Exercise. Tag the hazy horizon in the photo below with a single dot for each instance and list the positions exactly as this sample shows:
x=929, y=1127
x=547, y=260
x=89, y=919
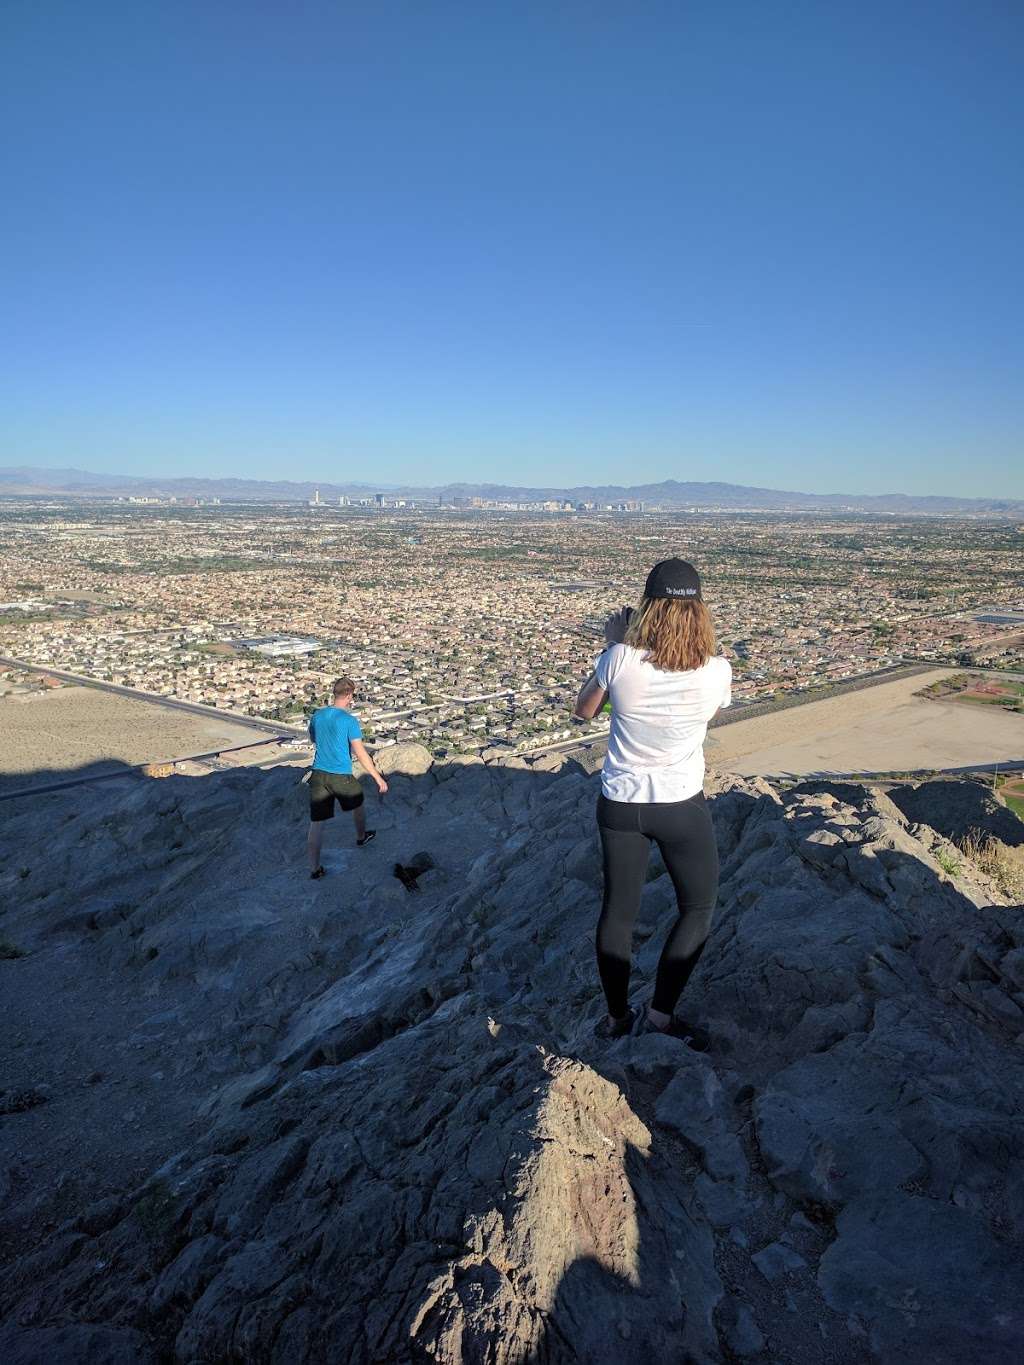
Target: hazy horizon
x=385, y=484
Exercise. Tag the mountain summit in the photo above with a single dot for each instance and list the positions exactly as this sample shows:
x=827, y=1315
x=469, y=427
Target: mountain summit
x=250, y=1117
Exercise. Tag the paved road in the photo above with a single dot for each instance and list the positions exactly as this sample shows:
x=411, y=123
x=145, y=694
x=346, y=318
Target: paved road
x=452, y=700
x=890, y=779
x=562, y=746
x=267, y=727
x=992, y=672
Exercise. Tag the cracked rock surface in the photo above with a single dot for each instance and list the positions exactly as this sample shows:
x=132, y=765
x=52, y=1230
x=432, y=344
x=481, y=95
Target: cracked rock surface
x=287, y=1121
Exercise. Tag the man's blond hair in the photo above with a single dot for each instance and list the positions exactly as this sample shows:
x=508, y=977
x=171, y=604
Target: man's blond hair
x=343, y=687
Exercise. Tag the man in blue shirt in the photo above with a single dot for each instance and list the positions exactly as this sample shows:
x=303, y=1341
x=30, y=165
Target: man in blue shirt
x=338, y=738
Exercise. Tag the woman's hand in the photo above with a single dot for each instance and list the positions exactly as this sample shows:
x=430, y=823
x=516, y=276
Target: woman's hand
x=616, y=625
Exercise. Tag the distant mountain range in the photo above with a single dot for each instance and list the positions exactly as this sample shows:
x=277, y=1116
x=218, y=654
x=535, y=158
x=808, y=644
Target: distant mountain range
x=27, y=480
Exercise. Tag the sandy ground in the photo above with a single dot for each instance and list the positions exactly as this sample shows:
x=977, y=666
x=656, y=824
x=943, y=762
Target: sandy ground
x=883, y=728
x=47, y=733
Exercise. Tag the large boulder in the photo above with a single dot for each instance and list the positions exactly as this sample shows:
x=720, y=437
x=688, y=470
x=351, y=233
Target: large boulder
x=411, y=759
x=928, y=1282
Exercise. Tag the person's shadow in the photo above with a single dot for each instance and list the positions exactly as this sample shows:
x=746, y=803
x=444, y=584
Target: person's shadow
x=628, y=1308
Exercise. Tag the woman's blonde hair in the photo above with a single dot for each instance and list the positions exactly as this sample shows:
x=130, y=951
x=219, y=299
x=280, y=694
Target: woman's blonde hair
x=675, y=634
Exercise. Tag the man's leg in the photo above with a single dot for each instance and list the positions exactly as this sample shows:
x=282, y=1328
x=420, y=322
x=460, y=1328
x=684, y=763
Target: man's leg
x=359, y=819
x=314, y=842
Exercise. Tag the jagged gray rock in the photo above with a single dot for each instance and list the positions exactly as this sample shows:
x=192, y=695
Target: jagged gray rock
x=958, y=809
x=336, y=1122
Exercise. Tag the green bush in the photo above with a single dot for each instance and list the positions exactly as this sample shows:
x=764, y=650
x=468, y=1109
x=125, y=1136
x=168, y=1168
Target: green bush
x=948, y=863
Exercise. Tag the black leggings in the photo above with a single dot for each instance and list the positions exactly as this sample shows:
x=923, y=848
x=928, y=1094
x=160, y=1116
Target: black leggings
x=685, y=835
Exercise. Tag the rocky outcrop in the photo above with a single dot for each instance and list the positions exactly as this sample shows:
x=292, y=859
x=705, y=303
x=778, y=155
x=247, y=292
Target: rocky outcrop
x=411, y=1145
x=413, y=759
x=959, y=810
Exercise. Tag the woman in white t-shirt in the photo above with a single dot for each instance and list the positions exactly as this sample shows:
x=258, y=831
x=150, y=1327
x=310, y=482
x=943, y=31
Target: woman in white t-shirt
x=665, y=682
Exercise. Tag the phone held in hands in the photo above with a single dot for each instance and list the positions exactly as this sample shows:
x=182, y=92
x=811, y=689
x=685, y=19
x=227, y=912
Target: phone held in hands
x=617, y=624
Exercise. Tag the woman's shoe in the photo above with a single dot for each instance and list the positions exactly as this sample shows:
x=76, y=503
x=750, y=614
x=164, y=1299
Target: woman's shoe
x=693, y=1035
x=605, y=1028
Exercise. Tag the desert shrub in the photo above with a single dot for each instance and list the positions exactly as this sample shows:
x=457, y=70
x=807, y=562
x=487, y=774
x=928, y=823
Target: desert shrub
x=997, y=860
x=949, y=864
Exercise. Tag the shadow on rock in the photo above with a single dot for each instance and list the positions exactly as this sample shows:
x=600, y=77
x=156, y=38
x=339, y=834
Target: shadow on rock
x=405, y=1144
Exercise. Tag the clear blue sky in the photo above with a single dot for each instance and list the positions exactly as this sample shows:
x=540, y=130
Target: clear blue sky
x=776, y=244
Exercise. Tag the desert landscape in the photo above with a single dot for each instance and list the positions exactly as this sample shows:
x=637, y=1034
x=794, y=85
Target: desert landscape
x=885, y=728
x=52, y=734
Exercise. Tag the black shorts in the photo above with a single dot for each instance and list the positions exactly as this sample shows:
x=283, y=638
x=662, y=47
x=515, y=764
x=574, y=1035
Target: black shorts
x=326, y=788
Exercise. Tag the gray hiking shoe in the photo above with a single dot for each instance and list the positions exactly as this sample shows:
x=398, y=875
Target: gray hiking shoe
x=604, y=1028
x=692, y=1035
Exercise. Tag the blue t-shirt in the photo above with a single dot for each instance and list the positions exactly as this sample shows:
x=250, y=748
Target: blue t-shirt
x=332, y=729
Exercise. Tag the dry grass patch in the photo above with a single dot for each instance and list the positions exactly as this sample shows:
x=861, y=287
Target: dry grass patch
x=997, y=860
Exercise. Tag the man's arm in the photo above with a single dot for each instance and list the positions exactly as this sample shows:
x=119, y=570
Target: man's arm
x=359, y=751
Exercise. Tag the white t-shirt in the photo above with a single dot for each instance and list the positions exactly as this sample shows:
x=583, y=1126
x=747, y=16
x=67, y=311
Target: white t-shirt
x=659, y=721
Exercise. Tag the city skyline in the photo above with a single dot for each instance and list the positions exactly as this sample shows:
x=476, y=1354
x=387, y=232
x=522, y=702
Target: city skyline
x=63, y=481
x=516, y=245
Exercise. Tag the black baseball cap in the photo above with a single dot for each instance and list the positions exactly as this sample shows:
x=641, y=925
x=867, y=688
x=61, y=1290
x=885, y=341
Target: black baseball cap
x=673, y=578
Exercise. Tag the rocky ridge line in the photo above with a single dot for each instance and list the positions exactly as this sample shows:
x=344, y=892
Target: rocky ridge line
x=410, y=1147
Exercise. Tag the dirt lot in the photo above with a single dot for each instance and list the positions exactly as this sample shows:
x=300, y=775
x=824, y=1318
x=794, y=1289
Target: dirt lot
x=46, y=733
x=883, y=728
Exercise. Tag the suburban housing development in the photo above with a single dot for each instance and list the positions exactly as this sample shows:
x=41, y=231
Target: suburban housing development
x=469, y=629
